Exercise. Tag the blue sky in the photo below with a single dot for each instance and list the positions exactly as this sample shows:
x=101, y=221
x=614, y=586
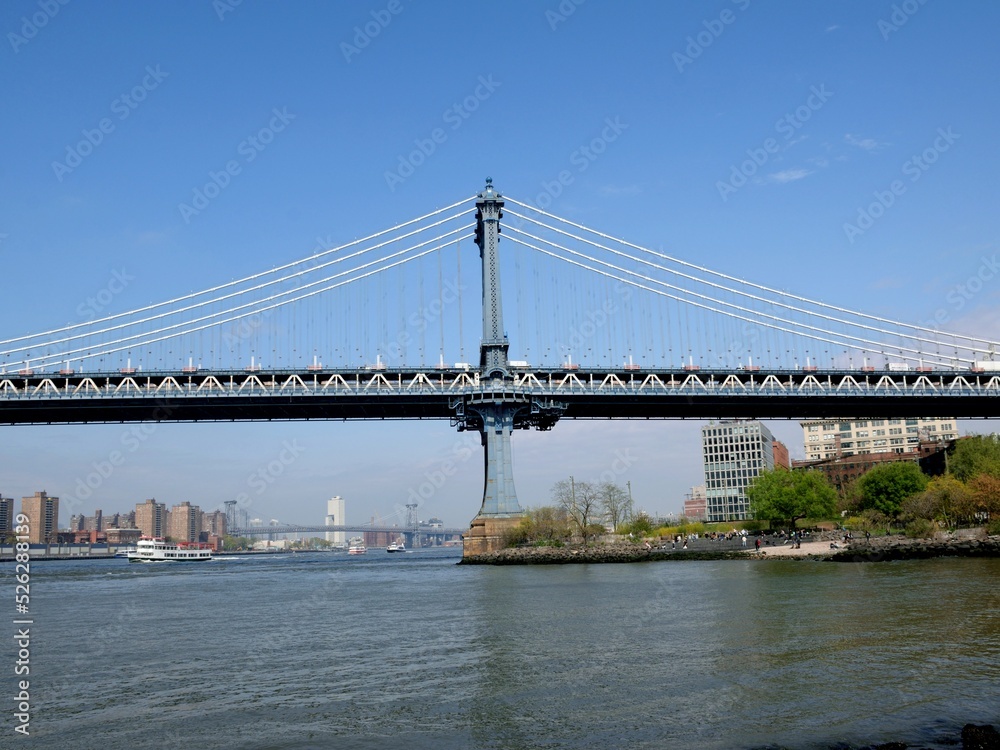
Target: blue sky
x=749, y=137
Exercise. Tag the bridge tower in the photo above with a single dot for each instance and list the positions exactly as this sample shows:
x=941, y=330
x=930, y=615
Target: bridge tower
x=413, y=525
x=231, y=520
x=497, y=409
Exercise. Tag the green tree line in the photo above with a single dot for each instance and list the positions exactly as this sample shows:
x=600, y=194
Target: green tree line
x=899, y=492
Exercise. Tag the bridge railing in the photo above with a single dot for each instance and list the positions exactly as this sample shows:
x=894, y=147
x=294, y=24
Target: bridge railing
x=526, y=384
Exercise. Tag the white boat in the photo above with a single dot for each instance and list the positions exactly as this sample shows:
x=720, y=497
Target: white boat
x=126, y=551
x=399, y=546
x=160, y=550
x=357, y=546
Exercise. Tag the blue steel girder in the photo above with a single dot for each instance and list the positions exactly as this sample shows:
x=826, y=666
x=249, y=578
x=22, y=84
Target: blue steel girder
x=527, y=411
x=431, y=393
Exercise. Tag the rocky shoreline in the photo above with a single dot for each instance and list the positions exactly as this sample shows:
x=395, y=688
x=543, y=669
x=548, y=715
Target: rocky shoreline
x=972, y=737
x=616, y=553
x=877, y=549
x=883, y=549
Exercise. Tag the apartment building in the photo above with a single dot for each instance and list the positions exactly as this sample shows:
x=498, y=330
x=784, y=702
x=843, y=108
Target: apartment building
x=833, y=438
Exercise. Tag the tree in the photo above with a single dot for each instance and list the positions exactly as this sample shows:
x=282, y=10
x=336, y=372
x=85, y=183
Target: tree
x=615, y=503
x=548, y=525
x=984, y=492
x=580, y=500
x=916, y=506
x=886, y=486
x=945, y=498
x=791, y=495
x=849, y=497
x=640, y=526
x=236, y=542
x=975, y=455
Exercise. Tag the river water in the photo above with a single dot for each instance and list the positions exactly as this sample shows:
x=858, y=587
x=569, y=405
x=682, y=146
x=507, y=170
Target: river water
x=329, y=651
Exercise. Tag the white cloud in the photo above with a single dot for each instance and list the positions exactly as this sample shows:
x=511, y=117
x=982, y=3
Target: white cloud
x=867, y=144
x=789, y=175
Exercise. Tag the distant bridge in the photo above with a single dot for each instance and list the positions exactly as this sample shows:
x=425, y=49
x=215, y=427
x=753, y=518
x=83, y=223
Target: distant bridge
x=409, y=533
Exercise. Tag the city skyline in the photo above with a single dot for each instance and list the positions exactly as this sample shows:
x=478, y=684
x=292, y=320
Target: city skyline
x=827, y=150
x=633, y=462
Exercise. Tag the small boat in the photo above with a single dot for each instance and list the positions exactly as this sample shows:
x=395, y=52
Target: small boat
x=356, y=546
x=125, y=552
x=153, y=550
x=399, y=546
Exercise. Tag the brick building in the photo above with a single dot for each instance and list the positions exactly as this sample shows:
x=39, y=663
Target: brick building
x=843, y=470
x=695, y=508
x=150, y=518
x=184, y=522
x=43, y=517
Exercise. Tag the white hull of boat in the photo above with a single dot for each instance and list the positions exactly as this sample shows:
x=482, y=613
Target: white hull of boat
x=160, y=551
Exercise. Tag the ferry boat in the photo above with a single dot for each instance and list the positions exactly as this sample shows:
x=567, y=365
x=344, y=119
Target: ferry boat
x=399, y=546
x=160, y=550
x=357, y=546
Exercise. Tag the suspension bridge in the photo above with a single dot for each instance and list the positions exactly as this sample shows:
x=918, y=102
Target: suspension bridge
x=603, y=328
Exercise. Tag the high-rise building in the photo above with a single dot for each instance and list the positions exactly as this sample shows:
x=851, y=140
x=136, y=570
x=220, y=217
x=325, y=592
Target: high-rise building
x=43, y=517
x=6, y=516
x=150, y=518
x=214, y=523
x=119, y=521
x=94, y=522
x=185, y=522
x=733, y=453
x=335, y=517
x=835, y=438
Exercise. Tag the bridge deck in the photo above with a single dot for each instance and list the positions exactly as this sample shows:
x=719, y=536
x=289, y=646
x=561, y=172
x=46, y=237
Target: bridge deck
x=41, y=398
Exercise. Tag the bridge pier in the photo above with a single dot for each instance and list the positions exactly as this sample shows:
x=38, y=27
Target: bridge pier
x=491, y=416
x=499, y=409
x=500, y=510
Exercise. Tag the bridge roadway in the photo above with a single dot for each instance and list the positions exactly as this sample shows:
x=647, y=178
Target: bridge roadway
x=290, y=529
x=431, y=393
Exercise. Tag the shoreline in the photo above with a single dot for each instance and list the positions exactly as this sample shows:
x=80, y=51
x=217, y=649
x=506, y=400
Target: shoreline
x=877, y=549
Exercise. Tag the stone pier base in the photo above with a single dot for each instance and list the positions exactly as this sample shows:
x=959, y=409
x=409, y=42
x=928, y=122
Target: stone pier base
x=487, y=534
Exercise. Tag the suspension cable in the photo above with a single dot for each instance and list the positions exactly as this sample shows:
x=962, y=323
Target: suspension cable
x=63, y=355
x=727, y=277
x=702, y=305
x=252, y=277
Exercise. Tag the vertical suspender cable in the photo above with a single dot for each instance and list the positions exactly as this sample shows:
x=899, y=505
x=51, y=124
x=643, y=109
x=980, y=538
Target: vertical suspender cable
x=461, y=339
x=440, y=300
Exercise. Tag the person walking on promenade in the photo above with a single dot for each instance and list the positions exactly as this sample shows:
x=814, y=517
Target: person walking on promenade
x=757, y=544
